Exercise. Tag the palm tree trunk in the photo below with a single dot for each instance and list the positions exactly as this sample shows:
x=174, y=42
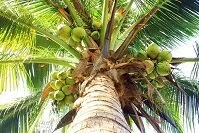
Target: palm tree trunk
x=100, y=111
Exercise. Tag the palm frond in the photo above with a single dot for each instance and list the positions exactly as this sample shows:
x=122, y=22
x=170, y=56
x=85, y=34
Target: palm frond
x=35, y=123
x=13, y=69
x=12, y=76
x=15, y=37
x=38, y=75
x=27, y=19
x=17, y=29
x=175, y=22
x=179, y=104
x=173, y=122
x=41, y=55
x=36, y=12
x=19, y=115
x=189, y=102
x=44, y=14
x=44, y=42
x=185, y=104
x=168, y=117
x=194, y=72
x=93, y=8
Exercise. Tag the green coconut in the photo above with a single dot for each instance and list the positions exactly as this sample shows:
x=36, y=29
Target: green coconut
x=67, y=89
x=149, y=66
x=70, y=81
x=73, y=43
x=78, y=34
x=95, y=35
x=61, y=104
x=53, y=75
x=153, y=50
x=69, y=99
x=64, y=32
x=58, y=84
x=164, y=55
x=153, y=74
x=96, y=25
x=59, y=95
x=51, y=95
x=163, y=68
x=62, y=75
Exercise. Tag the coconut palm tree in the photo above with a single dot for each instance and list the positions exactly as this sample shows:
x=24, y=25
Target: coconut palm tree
x=110, y=64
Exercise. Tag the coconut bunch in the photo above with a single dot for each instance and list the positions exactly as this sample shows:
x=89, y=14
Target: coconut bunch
x=72, y=36
x=157, y=63
x=62, y=85
x=96, y=26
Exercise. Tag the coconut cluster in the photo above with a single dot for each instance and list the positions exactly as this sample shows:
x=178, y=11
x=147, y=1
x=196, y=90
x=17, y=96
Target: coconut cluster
x=62, y=84
x=72, y=36
x=157, y=63
x=75, y=35
x=96, y=26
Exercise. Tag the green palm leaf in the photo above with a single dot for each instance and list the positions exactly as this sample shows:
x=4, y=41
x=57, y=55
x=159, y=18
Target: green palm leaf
x=28, y=20
x=185, y=103
x=167, y=27
x=194, y=72
x=14, y=34
x=30, y=50
x=13, y=69
x=11, y=37
x=19, y=115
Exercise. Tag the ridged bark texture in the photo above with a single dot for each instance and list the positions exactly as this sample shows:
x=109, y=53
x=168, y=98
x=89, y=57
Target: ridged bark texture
x=100, y=111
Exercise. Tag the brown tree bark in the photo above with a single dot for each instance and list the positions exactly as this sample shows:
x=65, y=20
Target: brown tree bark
x=100, y=111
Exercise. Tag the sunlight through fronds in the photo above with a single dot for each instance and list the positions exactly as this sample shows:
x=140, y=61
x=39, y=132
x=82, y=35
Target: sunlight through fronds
x=19, y=115
x=185, y=104
x=167, y=27
x=61, y=48
x=14, y=74
x=23, y=17
x=15, y=38
x=194, y=73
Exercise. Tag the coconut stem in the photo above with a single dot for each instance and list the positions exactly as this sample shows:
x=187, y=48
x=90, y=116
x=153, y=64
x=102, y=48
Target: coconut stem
x=73, y=13
x=117, y=30
x=106, y=46
x=184, y=60
x=104, y=21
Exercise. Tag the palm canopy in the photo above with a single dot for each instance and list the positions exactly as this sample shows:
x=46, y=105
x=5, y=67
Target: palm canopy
x=30, y=49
